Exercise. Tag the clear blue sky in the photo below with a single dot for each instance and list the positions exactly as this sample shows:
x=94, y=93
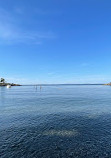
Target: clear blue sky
x=55, y=41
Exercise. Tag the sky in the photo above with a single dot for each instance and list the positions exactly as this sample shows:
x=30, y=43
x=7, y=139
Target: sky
x=55, y=41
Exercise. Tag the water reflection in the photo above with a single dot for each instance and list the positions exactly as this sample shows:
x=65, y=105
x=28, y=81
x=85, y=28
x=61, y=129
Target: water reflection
x=2, y=95
x=36, y=87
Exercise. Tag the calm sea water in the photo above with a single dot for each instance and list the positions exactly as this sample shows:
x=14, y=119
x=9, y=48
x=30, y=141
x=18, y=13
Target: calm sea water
x=55, y=122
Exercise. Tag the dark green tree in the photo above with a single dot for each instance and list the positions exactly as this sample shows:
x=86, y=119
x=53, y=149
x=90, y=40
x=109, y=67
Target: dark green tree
x=2, y=80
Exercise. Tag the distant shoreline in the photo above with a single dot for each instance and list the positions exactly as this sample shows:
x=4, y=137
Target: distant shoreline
x=12, y=84
x=58, y=84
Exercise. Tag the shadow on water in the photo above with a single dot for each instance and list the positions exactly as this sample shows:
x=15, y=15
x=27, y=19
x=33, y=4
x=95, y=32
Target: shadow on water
x=59, y=136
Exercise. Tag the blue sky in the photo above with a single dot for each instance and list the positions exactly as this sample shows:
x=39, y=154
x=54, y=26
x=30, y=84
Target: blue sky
x=55, y=41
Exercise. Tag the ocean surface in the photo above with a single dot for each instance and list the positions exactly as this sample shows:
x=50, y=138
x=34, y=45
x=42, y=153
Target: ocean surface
x=65, y=121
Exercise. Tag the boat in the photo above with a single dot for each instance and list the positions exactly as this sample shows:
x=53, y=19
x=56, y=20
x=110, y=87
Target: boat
x=8, y=86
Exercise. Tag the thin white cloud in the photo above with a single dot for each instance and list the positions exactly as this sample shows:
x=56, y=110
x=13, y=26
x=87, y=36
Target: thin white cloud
x=11, y=33
x=90, y=79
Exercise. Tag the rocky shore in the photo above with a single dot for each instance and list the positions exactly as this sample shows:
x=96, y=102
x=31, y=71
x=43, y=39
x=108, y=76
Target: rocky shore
x=12, y=84
x=108, y=84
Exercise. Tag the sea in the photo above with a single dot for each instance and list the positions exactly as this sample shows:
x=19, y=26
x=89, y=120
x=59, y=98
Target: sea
x=55, y=121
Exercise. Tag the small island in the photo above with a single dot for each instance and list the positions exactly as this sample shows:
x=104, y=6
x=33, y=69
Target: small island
x=4, y=83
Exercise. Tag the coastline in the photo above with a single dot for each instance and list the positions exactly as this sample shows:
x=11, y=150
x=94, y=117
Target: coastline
x=12, y=84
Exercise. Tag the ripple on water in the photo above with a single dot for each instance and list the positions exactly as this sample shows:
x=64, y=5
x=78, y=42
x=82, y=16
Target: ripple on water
x=70, y=122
